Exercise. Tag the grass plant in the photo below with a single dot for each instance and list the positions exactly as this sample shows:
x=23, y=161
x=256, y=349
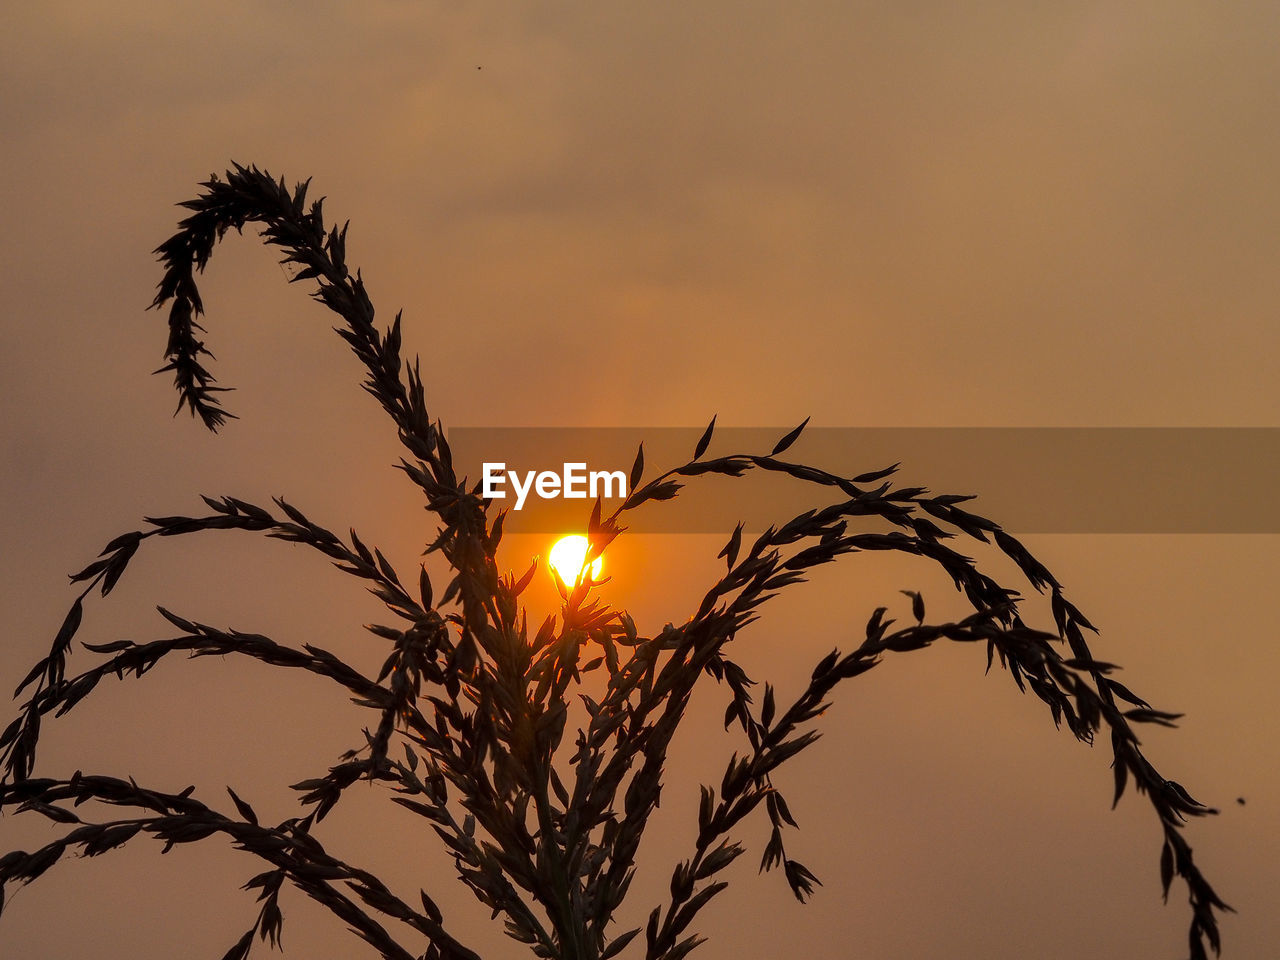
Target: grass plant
x=469, y=715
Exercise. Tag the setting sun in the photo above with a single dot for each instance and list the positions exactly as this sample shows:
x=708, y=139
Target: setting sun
x=568, y=555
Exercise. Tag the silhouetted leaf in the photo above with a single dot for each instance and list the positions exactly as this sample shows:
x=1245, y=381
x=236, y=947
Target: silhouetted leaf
x=705, y=439
x=788, y=440
x=524, y=581
x=424, y=588
x=70, y=624
x=246, y=811
x=730, y=551
x=1166, y=869
x=637, y=469
x=113, y=647
x=241, y=949
x=917, y=604
x=619, y=944
x=875, y=475
x=1121, y=774
x=766, y=710
x=91, y=570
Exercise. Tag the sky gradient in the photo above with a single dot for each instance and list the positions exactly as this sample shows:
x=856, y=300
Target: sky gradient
x=623, y=214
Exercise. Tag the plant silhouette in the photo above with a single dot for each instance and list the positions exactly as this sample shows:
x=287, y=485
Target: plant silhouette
x=470, y=707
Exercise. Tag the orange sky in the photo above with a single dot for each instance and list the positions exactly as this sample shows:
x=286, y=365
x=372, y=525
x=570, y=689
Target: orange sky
x=630, y=214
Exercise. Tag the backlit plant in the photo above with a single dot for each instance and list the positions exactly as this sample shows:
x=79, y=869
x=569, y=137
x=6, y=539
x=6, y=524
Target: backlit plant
x=470, y=711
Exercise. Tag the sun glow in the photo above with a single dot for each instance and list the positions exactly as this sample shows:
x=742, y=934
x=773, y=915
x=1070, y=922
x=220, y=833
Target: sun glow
x=568, y=556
